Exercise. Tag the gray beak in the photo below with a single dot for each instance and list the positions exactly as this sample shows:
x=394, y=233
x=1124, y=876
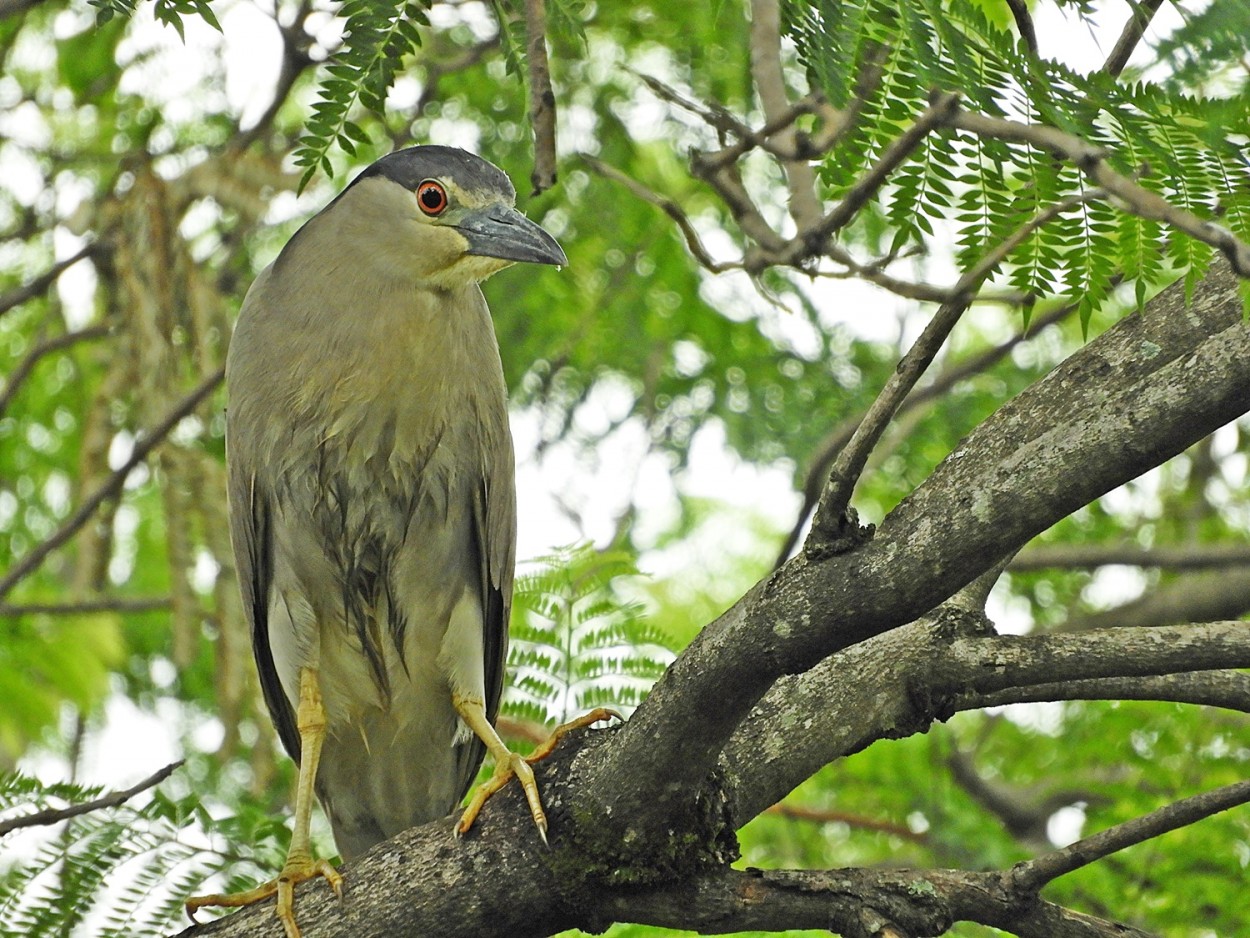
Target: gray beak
x=505, y=233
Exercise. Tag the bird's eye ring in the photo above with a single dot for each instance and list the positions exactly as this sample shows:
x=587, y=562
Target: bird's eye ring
x=432, y=197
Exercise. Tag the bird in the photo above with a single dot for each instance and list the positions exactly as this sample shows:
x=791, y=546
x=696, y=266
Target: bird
x=372, y=502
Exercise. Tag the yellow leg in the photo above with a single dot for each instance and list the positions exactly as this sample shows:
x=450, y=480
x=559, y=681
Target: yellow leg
x=509, y=764
x=300, y=865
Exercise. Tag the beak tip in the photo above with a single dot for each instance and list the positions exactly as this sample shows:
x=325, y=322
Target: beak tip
x=509, y=235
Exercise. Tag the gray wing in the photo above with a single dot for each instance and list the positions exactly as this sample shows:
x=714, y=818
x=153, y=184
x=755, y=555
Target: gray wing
x=494, y=537
x=251, y=504
x=251, y=533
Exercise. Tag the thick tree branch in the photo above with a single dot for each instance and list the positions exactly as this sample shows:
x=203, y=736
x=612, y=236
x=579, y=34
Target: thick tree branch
x=1142, y=392
x=944, y=663
x=1227, y=689
x=410, y=886
x=858, y=904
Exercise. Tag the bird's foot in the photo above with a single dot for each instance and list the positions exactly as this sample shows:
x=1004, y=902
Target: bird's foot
x=519, y=767
x=295, y=871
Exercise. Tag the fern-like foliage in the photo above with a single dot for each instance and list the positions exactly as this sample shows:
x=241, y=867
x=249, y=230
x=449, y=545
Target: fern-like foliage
x=576, y=644
x=376, y=37
x=887, y=58
x=121, y=872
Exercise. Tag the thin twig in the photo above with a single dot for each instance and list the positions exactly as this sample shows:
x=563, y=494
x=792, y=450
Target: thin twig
x=1024, y=23
x=542, y=98
x=41, y=283
x=714, y=116
x=1134, y=29
x=111, y=800
x=23, y=368
x=850, y=462
x=874, y=273
x=841, y=434
x=763, y=138
x=1031, y=875
x=104, y=604
x=670, y=207
x=113, y=484
x=941, y=109
x=295, y=61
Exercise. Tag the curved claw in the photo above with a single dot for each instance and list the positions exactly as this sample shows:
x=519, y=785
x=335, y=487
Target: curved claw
x=509, y=764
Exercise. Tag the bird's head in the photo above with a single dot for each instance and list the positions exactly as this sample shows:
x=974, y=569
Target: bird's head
x=440, y=215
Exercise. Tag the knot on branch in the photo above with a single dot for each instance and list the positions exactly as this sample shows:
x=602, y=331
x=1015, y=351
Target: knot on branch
x=836, y=535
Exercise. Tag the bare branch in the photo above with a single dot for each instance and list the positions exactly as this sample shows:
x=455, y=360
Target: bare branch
x=825, y=816
x=23, y=368
x=1134, y=29
x=295, y=61
x=111, y=800
x=874, y=273
x=834, y=442
x=944, y=663
x=770, y=84
x=105, y=604
x=856, y=903
x=1033, y=874
x=414, y=885
x=1039, y=457
x=1229, y=690
x=1024, y=23
x=674, y=211
x=113, y=484
x=812, y=241
x=1023, y=811
x=832, y=508
x=1190, y=596
x=1171, y=557
x=41, y=283
x=542, y=98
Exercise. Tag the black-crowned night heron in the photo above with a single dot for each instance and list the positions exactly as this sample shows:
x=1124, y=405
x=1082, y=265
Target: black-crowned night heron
x=372, y=502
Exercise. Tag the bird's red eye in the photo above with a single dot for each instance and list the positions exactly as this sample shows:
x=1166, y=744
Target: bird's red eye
x=432, y=197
